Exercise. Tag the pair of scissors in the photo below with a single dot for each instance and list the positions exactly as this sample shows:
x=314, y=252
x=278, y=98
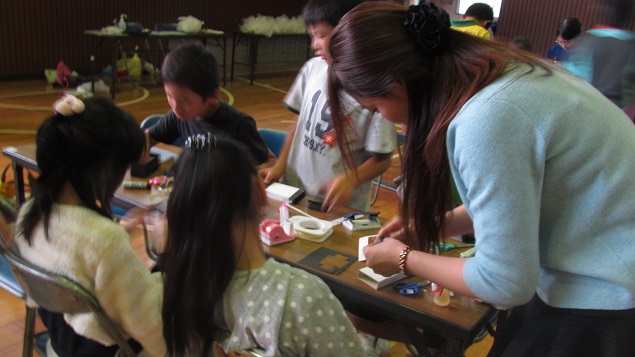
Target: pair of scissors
x=409, y=289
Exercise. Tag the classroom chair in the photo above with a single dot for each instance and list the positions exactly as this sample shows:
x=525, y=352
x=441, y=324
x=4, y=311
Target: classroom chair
x=58, y=294
x=153, y=119
x=8, y=281
x=378, y=183
x=150, y=121
x=274, y=139
x=393, y=330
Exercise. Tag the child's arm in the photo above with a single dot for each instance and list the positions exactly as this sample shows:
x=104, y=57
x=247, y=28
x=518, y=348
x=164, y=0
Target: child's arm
x=149, y=144
x=340, y=189
x=271, y=160
x=277, y=170
x=458, y=222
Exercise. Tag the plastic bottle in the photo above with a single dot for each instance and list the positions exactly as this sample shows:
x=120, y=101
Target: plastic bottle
x=122, y=22
x=134, y=65
x=441, y=295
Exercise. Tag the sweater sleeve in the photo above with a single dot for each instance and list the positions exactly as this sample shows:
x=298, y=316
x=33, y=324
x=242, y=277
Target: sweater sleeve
x=130, y=294
x=166, y=129
x=497, y=155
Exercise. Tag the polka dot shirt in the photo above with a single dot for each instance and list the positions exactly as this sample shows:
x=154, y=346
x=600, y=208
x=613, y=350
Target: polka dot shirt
x=284, y=311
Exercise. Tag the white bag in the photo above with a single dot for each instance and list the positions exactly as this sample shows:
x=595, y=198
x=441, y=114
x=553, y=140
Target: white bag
x=189, y=24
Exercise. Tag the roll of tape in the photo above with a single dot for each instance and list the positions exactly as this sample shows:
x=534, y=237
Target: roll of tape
x=310, y=228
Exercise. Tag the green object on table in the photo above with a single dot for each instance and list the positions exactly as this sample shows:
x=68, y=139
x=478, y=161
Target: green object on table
x=444, y=247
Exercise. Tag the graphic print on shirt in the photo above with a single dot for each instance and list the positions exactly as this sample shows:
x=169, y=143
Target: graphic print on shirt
x=318, y=126
x=200, y=141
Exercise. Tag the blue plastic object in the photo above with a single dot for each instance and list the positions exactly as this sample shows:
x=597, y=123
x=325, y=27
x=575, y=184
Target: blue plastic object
x=409, y=289
x=8, y=281
x=165, y=26
x=153, y=119
x=274, y=139
x=134, y=27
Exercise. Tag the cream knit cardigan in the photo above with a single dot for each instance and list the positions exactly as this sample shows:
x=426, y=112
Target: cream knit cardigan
x=96, y=252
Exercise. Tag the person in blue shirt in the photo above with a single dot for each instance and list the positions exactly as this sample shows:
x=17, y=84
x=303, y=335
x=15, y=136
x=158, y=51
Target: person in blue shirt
x=605, y=56
x=569, y=28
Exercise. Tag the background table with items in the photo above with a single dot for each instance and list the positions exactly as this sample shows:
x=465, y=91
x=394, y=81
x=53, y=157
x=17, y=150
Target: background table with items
x=23, y=157
x=459, y=322
x=152, y=54
x=252, y=40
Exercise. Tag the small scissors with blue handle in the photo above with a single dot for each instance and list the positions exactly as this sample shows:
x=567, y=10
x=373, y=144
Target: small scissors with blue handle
x=409, y=289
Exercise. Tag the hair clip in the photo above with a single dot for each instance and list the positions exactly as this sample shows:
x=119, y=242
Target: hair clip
x=427, y=23
x=68, y=105
x=201, y=141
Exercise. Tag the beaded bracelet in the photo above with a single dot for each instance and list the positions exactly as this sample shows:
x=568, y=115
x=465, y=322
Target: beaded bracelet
x=403, y=255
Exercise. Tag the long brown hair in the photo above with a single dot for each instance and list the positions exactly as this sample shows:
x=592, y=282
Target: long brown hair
x=204, y=206
x=372, y=51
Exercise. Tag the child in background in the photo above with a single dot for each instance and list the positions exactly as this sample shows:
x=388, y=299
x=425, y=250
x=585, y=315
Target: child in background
x=605, y=55
x=569, y=28
x=190, y=80
x=523, y=43
x=476, y=21
x=67, y=227
x=220, y=286
x=310, y=158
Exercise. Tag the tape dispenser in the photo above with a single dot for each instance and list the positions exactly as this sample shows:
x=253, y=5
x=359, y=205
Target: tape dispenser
x=303, y=226
x=272, y=232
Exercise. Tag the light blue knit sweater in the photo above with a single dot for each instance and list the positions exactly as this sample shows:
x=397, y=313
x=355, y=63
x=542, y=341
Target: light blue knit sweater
x=546, y=168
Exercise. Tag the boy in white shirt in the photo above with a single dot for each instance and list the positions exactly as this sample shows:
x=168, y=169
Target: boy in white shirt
x=310, y=157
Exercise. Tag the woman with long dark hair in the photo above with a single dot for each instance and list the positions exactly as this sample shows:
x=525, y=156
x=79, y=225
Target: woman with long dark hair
x=219, y=286
x=543, y=163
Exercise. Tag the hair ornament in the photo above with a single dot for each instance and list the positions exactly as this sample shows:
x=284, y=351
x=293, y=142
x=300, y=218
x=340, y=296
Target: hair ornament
x=68, y=105
x=201, y=141
x=428, y=23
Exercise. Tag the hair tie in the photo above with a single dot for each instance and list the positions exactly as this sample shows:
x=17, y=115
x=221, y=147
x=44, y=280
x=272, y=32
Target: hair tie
x=201, y=141
x=68, y=105
x=428, y=23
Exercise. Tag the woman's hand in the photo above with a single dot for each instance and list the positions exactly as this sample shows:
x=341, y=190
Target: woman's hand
x=393, y=229
x=383, y=257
